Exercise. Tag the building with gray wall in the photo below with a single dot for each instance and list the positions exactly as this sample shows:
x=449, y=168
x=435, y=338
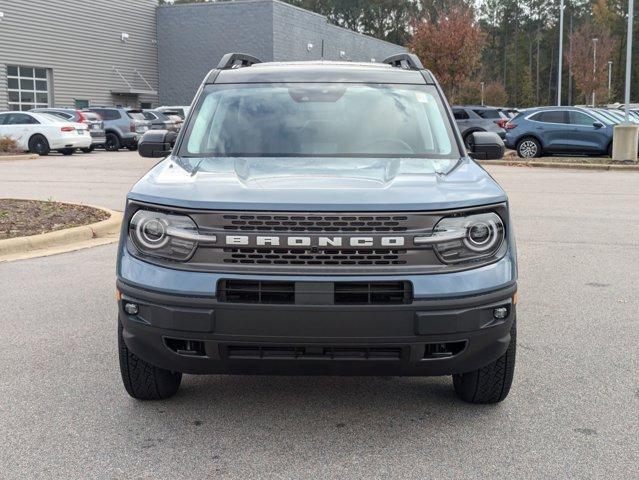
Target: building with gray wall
x=65, y=53
x=134, y=53
x=193, y=37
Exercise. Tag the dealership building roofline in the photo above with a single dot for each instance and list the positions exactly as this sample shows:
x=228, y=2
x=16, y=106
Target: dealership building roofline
x=139, y=54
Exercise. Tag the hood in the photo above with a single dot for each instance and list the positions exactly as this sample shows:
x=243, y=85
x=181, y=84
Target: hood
x=317, y=184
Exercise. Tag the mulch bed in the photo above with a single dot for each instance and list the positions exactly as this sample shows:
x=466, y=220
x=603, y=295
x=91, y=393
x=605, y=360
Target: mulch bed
x=20, y=218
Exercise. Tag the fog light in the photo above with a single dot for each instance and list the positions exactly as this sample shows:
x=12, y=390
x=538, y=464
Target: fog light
x=500, y=313
x=131, y=308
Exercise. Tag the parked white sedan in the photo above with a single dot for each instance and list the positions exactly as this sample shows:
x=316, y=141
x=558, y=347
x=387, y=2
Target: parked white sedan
x=42, y=132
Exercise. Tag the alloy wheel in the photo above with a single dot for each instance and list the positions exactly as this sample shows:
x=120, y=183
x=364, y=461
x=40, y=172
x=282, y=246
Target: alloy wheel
x=528, y=149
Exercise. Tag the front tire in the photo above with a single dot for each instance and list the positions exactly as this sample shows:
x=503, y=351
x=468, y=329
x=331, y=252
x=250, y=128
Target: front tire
x=489, y=384
x=529, y=147
x=88, y=150
x=39, y=144
x=142, y=380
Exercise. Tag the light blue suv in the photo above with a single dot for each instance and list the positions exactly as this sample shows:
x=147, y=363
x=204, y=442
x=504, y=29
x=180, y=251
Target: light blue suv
x=559, y=130
x=318, y=218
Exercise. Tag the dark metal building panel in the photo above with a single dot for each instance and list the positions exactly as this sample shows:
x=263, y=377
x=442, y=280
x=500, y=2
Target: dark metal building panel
x=193, y=38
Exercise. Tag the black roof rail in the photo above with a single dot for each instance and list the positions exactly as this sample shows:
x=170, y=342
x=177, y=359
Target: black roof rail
x=237, y=60
x=407, y=61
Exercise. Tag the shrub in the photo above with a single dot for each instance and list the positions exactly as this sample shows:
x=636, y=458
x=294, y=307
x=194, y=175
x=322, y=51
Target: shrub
x=8, y=146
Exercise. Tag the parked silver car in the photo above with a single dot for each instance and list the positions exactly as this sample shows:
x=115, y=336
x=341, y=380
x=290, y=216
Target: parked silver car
x=181, y=110
x=123, y=126
x=93, y=121
x=477, y=118
x=167, y=120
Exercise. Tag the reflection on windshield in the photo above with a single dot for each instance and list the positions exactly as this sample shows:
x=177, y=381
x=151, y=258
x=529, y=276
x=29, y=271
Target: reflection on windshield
x=380, y=170
x=320, y=120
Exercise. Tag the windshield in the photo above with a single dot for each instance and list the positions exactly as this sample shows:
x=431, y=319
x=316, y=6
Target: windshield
x=135, y=114
x=490, y=114
x=601, y=116
x=320, y=120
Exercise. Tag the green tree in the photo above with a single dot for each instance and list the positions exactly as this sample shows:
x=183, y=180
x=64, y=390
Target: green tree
x=384, y=19
x=526, y=96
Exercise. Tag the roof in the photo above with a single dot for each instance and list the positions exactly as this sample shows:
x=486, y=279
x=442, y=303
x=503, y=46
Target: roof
x=320, y=71
x=558, y=107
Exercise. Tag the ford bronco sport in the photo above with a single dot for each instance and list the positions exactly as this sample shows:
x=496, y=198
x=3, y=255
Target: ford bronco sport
x=318, y=218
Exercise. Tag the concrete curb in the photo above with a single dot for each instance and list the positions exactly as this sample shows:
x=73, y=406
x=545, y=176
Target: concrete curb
x=571, y=166
x=26, y=156
x=59, y=241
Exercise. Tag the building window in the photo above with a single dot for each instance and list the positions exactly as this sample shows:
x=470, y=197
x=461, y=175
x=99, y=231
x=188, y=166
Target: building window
x=28, y=87
x=81, y=103
x=146, y=105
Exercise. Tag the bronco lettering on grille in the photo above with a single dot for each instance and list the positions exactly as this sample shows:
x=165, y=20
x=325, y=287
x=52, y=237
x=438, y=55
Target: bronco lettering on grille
x=318, y=241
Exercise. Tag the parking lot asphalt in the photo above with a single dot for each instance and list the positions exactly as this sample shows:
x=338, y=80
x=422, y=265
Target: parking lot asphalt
x=573, y=411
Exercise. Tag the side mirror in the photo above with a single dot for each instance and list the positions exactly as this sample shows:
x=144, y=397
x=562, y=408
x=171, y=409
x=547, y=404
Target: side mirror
x=598, y=125
x=156, y=143
x=486, y=146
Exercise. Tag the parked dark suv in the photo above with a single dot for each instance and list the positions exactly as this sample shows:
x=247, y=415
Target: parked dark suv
x=559, y=130
x=318, y=218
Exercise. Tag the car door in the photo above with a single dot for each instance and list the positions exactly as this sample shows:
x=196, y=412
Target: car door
x=18, y=126
x=553, y=129
x=588, y=134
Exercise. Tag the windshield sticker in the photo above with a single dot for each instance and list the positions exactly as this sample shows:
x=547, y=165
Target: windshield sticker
x=421, y=97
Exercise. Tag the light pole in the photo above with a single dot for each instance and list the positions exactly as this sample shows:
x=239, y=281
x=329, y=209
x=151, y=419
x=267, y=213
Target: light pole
x=482, y=94
x=628, y=60
x=594, y=67
x=561, y=50
x=625, y=138
x=609, y=78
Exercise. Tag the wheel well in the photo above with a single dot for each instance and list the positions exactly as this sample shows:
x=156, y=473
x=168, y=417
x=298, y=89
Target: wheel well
x=524, y=137
x=114, y=132
x=37, y=134
x=472, y=130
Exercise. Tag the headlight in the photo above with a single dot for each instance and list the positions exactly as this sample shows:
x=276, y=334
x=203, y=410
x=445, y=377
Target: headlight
x=463, y=239
x=166, y=235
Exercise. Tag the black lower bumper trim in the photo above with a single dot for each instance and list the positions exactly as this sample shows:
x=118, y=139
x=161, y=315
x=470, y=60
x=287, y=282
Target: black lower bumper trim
x=200, y=335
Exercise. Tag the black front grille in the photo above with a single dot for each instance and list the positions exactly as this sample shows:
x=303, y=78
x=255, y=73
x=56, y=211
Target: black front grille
x=313, y=353
x=316, y=223
x=240, y=291
x=372, y=293
x=242, y=247
x=280, y=256
x=344, y=293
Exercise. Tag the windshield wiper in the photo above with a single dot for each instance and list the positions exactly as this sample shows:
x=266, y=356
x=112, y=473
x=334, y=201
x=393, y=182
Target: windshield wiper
x=196, y=168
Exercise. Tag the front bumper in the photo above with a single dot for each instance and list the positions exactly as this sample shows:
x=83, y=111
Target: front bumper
x=129, y=141
x=426, y=337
